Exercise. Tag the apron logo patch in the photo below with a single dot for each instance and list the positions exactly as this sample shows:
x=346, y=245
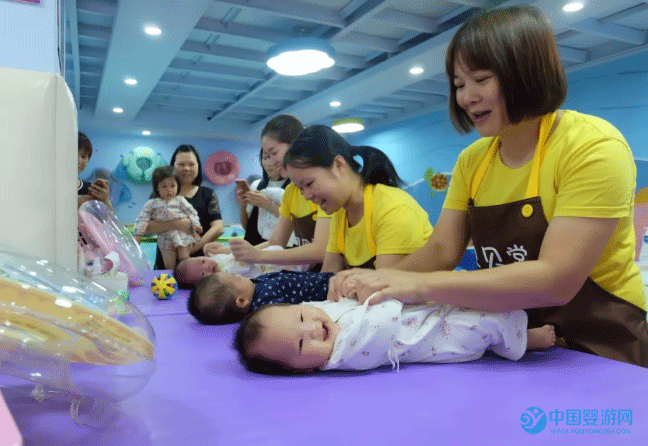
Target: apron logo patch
x=493, y=257
x=518, y=253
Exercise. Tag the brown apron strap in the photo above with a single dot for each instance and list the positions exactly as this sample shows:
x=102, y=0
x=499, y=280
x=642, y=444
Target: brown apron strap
x=304, y=227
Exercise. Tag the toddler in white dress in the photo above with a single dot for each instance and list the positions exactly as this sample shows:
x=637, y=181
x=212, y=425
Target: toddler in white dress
x=168, y=205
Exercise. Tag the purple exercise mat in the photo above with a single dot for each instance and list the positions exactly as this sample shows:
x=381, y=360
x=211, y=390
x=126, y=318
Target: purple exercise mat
x=200, y=395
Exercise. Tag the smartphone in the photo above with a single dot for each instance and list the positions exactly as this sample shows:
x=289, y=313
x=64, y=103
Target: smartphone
x=243, y=184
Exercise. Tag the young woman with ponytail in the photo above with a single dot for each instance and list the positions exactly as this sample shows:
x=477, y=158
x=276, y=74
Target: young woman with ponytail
x=374, y=224
x=299, y=222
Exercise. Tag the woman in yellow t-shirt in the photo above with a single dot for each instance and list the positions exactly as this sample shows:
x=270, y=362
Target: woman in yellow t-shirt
x=546, y=196
x=310, y=225
x=374, y=223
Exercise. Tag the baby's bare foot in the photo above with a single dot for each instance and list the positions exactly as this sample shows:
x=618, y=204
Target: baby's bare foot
x=541, y=338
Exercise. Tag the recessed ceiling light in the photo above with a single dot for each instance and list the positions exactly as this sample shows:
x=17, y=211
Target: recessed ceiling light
x=146, y=132
x=152, y=30
x=130, y=81
x=348, y=125
x=573, y=7
x=416, y=70
x=301, y=55
x=118, y=110
x=335, y=103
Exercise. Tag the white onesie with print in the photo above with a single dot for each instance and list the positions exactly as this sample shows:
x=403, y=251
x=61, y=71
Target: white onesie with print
x=390, y=333
x=228, y=264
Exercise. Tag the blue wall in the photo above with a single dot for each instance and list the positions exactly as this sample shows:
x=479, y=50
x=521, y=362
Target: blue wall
x=108, y=150
x=29, y=36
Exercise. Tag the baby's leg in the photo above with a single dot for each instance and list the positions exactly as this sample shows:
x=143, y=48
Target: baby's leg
x=169, y=256
x=457, y=335
x=183, y=253
x=541, y=337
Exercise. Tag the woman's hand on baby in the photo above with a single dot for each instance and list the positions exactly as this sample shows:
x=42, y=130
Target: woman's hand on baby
x=385, y=284
x=213, y=248
x=343, y=284
x=244, y=252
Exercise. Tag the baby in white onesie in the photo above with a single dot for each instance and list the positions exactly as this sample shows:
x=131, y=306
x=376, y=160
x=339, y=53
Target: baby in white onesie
x=345, y=335
x=190, y=271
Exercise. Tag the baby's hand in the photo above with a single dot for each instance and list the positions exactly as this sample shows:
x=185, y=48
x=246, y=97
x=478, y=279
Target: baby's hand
x=198, y=229
x=138, y=238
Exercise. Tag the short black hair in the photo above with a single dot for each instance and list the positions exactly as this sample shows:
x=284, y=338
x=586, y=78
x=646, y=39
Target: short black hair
x=518, y=45
x=85, y=145
x=213, y=302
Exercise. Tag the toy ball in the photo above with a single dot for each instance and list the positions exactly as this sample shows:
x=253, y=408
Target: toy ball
x=163, y=286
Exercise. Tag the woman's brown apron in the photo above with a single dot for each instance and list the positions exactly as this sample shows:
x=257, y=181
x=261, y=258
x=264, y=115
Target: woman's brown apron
x=594, y=321
x=367, y=213
x=304, y=228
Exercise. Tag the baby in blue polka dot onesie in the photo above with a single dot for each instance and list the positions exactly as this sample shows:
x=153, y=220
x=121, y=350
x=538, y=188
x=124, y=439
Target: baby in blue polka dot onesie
x=224, y=298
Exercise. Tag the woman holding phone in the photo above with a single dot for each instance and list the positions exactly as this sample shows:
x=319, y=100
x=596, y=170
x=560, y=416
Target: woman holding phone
x=298, y=219
x=259, y=202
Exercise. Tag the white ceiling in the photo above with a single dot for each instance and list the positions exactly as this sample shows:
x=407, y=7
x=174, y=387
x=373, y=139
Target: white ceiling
x=205, y=76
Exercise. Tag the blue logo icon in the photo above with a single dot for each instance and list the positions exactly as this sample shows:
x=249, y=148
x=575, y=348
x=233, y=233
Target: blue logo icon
x=533, y=420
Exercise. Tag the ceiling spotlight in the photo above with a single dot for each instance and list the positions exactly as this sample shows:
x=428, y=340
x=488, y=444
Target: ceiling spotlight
x=146, y=132
x=335, y=103
x=118, y=110
x=573, y=7
x=130, y=81
x=348, y=125
x=152, y=30
x=416, y=70
x=301, y=55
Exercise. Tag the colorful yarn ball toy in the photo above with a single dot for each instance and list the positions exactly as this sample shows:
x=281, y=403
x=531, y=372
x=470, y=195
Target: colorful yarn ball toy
x=163, y=286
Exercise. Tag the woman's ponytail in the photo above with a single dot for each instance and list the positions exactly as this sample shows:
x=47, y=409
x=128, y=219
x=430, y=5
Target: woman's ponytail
x=377, y=168
x=318, y=145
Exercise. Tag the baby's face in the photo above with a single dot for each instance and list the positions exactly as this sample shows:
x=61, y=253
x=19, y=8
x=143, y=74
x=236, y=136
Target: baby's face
x=300, y=336
x=195, y=268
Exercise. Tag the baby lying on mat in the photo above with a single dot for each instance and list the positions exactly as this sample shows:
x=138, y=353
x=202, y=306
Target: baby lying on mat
x=224, y=298
x=191, y=270
x=344, y=335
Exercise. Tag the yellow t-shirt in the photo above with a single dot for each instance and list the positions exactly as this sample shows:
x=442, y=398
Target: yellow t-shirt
x=588, y=171
x=294, y=205
x=398, y=225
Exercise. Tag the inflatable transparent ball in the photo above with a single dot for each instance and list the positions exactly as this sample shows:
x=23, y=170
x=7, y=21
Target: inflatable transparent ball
x=100, y=228
x=65, y=337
